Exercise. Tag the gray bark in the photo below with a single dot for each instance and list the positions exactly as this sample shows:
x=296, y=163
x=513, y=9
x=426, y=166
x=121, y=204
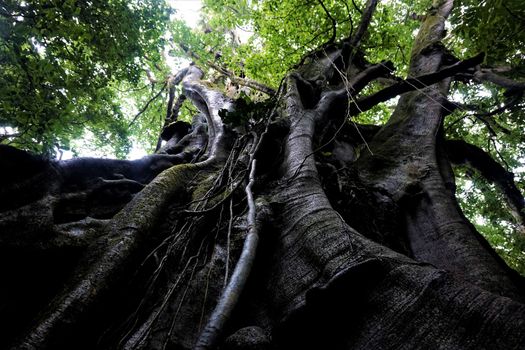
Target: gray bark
x=346, y=249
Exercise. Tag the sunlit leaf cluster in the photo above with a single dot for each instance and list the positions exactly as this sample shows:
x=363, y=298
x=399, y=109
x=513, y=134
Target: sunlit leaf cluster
x=62, y=62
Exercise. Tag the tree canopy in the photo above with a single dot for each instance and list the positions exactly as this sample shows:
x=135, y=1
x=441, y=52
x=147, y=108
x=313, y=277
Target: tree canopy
x=64, y=64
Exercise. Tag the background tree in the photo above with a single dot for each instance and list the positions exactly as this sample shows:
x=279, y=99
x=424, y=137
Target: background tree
x=312, y=218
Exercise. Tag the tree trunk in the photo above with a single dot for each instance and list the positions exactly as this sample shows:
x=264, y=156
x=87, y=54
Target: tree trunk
x=271, y=232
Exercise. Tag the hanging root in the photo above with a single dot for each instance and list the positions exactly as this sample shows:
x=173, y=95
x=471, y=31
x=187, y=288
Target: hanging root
x=235, y=286
x=231, y=294
x=210, y=189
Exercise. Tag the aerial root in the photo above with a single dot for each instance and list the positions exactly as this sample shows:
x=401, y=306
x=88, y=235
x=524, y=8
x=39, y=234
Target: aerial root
x=235, y=286
x=222, y=184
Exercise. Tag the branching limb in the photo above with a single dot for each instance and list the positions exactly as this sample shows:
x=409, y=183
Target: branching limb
x=172, y=113
x=351, y=44
x=143, y=109
x=334, y=23
x=170, y=83
x=509, y=84
x=461, y=152
x=150, y=76
x=235, y=286
x=209, y=102
x=355, y=85
x=402, y=86
x=171, y=97
x=511, y=103
x=349, y=18
x=357, y=7
x=234, y=78
x=366, y=17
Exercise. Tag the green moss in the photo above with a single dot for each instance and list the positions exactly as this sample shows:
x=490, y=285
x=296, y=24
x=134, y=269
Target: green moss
x=427, y=35
x=204, y=184
x=144, y=209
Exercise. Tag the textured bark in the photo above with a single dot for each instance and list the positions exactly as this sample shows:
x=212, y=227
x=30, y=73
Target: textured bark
x=343, y=236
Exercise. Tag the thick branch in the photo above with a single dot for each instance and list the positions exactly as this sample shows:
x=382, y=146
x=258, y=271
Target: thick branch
x=461, y=152
x=363, y=25
x=403, y=86
x=209, y=102
x=509, y=84
x=355, y=85
x=172, y=113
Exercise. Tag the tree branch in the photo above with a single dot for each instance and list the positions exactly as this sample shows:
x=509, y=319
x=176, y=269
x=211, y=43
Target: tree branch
x=461, y=152
x=403, y=86
x=363, y=25
x=334, y=23
x=357, y=7
x=234, y=78
x=509, y=84
x=349, y=18
x=147, y=105
x=150, y=76
x=355, y=85
x=209, y=102
x=172, y=113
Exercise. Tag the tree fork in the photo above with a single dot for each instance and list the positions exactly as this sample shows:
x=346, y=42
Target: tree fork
x=406, y=150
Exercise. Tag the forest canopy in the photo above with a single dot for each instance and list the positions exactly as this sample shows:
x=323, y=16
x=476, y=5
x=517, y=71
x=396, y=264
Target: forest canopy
x=98, y=71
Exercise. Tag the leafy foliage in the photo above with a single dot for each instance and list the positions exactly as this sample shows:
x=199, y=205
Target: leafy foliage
x=492, y=26
x=61, y=62
x=483, y=204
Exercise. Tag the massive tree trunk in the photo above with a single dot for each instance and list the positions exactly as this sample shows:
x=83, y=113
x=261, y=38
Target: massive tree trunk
x=270, y=233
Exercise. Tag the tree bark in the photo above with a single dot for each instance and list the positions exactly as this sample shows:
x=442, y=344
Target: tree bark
x=339, y=236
